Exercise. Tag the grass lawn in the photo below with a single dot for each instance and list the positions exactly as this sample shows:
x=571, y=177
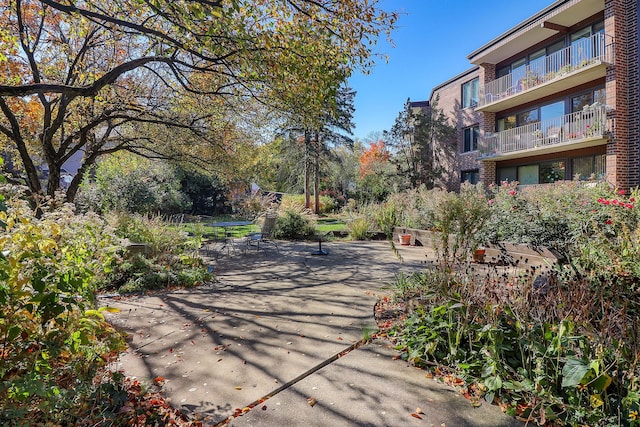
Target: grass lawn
x=323, y=225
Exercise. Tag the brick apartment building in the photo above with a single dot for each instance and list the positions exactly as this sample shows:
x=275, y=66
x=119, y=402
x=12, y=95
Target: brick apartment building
x=553, y=98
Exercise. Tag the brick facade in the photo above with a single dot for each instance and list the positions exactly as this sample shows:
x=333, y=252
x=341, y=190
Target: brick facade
x=448, y=97
x=621, y=83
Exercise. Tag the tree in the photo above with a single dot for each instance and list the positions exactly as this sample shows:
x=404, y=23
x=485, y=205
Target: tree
x=423, y=141
x=94, y=77
x=316, y=130
x=127, y=183
x=375, y=174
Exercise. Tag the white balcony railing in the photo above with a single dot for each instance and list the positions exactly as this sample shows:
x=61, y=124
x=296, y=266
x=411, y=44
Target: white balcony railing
x=581, y=54
x=590, y=123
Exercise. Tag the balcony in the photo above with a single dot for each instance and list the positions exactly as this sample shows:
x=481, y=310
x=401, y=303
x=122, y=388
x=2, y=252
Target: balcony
x=585, y=60
x=582, y=129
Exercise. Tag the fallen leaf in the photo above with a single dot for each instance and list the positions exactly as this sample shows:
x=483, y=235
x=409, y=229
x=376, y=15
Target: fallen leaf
x=264, y=407
x=419, y=411
x=312, y=401
x=416, y=416
x=238, y=388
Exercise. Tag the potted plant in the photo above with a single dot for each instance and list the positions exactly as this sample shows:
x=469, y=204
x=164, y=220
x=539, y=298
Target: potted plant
x=479, y=253
x=405, y=239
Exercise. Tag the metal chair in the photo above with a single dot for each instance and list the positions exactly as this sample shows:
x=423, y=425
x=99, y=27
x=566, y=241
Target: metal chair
x=264, y=235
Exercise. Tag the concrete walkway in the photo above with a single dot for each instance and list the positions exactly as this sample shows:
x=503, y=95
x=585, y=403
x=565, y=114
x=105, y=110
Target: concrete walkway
x=272, y=317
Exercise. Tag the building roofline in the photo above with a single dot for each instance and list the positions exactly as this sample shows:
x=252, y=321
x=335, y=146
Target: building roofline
x=517, y=28
x=453, y=79
x=419, y=104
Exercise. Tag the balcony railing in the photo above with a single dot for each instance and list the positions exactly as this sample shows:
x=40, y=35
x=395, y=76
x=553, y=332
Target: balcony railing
x=589, y=124
x=581, y=54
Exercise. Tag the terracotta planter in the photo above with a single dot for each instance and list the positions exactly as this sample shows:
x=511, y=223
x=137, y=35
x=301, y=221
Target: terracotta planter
x=405, y=239
x=478, y=254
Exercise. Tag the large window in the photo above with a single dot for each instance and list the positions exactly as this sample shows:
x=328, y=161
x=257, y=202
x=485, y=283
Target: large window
x=470, y=93
x=537, y=173
x=581, y=101
x=470, y=176
x=589, y=167
x=551, y=113
x=552, y=57
x=470, y=139
x=551, y=172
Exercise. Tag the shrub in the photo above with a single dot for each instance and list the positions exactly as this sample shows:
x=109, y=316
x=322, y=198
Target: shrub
x=459, y=219
x=151, y=230
x=293, y=226
x=295, y=202
x=169, y=263
x=53, y=339
x=358, y=228
x=254, y=205
x=130, y=183
x=560, y=347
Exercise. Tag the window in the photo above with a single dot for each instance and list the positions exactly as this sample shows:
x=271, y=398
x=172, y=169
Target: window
x=538, y=173
x=589, y=167
x=506, y=123
x=471, y=176
x=527, y=117
x=581, y=101
x=509, y=174
x=551, y=172
x=471, y=139
x=528, y=174
x=470, y=93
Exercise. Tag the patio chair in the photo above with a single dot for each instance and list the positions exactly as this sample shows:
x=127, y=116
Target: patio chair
x=554, y=135
x=264, y=235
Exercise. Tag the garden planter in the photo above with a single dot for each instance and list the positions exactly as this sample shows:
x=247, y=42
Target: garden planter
x=478, y=254
x=405, y=239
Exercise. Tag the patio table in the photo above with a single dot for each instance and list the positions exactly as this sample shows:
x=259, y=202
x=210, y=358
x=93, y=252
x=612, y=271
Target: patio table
x=228, y=230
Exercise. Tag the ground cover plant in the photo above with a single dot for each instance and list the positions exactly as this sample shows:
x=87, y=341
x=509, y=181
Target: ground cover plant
x=558, y=347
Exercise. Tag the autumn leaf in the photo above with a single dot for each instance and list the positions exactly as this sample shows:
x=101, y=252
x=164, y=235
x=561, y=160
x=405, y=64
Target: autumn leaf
x=311, y=401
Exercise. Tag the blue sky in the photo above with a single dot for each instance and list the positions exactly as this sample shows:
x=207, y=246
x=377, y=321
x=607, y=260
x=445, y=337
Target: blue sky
x=432, y=42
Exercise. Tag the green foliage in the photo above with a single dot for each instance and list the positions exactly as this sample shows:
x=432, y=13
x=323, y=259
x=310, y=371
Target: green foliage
x=205, y=194
x=386, y=217
x=293, y=226
x=128, y=183
x=358, y=228
x=296, y=202
x=459, y=218
x=151, y=230
x=414, y=135
x=52, y=339
x=561, y=348
x=171, y=261
x=140, y=274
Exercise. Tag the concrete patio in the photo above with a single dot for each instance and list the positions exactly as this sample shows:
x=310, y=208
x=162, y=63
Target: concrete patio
x=272, y=317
